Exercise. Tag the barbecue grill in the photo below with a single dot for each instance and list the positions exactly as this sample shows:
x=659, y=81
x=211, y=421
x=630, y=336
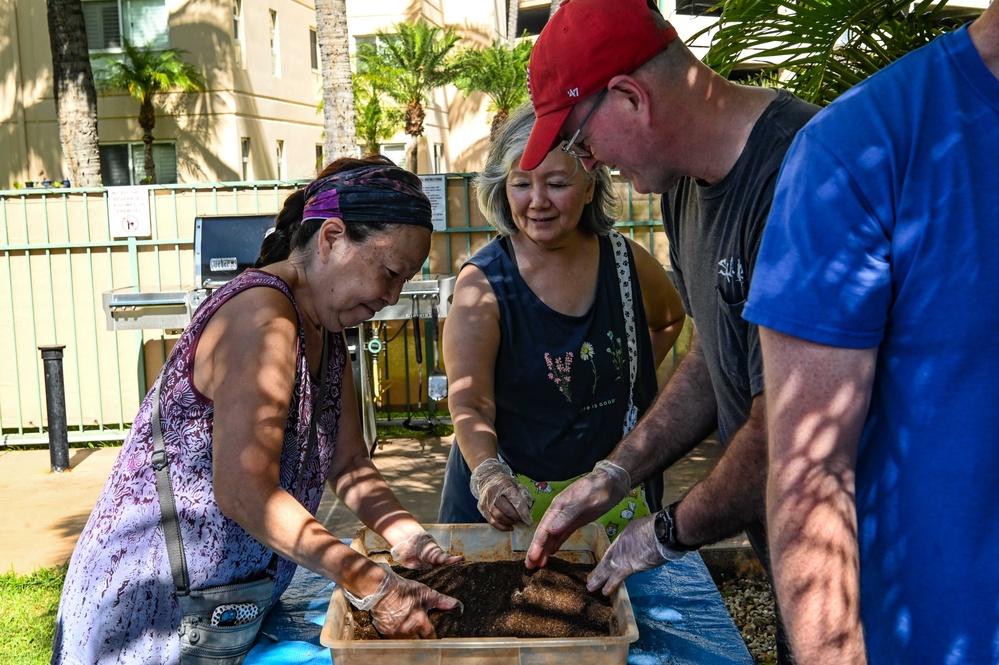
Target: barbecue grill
x=224, y=246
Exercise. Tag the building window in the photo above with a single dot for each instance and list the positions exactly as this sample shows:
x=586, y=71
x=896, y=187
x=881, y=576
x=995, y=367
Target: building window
x=370, y=44
x=244, y=149
x=238, y=36
x=319, y=158
x=396, y=152
x=364, y=44
x=110, y=22
x=314, y=47
x=438, y=157
x=275, y=47
x=698, y=8
x=279, y=159
x=532, y=19
x=124, y=163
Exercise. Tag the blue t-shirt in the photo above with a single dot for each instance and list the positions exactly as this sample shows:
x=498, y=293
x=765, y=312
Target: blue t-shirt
x=880, y=235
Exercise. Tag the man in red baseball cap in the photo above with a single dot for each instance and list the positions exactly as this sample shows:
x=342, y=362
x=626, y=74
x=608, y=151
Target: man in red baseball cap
x=612, y=85
x=615, y=42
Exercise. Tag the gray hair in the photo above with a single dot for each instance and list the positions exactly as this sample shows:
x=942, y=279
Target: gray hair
x=490, y=185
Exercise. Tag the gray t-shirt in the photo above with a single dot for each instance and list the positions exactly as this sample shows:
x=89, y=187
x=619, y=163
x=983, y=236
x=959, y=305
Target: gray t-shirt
x=714, y=233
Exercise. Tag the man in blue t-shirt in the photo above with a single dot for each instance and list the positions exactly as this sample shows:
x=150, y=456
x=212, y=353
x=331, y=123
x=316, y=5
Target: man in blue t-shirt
x=873, y=290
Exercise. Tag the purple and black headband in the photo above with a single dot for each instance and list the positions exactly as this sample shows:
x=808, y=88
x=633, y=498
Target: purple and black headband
x=376, y=193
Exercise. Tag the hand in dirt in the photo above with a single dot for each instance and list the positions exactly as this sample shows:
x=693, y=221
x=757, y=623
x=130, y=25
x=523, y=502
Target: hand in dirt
x=503, y=501
x=635, y=549
x=399, y=607
x=420, y=552
x=577, y=505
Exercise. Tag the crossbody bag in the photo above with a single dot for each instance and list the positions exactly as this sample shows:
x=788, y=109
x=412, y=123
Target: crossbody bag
x=218, y=624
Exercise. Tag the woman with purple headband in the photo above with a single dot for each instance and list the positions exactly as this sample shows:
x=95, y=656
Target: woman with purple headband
x=235, y=402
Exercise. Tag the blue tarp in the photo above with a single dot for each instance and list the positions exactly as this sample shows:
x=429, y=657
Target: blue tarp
x=681, y=618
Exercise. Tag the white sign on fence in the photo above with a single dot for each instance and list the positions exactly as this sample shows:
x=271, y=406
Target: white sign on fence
x=435, y=187
x=128, y=212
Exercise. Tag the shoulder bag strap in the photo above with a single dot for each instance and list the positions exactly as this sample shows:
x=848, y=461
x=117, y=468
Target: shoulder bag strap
x=628, y=305
x=168, y=508
x=164, y=486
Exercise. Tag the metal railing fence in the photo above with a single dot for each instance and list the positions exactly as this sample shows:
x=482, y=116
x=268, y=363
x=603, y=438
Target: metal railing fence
x=58, y=256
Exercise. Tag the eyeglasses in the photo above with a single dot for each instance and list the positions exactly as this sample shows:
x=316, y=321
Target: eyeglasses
x=580, y=150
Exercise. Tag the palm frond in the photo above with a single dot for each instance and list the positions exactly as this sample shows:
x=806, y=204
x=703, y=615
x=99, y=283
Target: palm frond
x=374, y=120
x=142, y=72
x=419, y=54
x=499, y=71
x=823, y=46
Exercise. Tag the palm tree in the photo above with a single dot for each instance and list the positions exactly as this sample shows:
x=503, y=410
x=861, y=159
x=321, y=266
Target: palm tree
x=375, y=122
x=75, y=94
x=417, y=55
x=145, y=73
x=338, y=93
x=823, y=47
x=500, y=72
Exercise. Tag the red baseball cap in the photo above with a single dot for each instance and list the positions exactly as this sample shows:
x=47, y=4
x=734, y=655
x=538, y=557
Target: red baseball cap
x=584, y=45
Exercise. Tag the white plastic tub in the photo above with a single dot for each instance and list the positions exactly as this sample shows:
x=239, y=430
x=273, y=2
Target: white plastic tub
x=481, y=542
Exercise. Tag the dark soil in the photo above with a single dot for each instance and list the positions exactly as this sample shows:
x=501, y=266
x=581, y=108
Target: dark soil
x=504, y=599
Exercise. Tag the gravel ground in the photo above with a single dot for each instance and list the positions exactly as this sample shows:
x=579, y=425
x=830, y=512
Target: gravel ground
x=751, y=604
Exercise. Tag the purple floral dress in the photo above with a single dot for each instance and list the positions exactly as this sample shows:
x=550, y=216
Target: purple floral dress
x=118, y=603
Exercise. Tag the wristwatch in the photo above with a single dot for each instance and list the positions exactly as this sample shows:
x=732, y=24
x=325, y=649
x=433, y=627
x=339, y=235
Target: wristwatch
x=665, y=526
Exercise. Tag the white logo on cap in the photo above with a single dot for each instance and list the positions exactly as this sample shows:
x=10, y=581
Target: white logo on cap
x=574, y=92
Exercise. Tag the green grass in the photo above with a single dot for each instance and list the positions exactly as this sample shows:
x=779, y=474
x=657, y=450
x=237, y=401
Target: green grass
x=400, y=432
x=386, y=431
x=28, y=605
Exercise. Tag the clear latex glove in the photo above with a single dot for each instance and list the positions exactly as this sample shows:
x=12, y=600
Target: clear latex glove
x=502, y=500
x=577, y=505
x=399, y=607
x=635, y=549
x=420, y=551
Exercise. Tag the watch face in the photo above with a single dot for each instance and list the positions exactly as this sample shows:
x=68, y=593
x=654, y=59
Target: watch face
x=660, y=526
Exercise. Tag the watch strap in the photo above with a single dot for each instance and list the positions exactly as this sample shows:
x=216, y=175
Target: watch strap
x=666, y=530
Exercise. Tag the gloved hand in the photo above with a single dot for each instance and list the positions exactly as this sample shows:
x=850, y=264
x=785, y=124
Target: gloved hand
x=420, y=551
x=399, y=606
x=577, y=505
x=503, y=501
x=635, y=549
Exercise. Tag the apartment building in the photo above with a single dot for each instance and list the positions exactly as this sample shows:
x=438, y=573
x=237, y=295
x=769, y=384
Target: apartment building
x=260, y=117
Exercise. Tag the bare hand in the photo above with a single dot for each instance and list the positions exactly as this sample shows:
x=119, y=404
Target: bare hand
x=577, y=505
x=420, y=551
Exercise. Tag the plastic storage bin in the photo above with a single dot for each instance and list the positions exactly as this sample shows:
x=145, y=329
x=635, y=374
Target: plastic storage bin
x=481, y=542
